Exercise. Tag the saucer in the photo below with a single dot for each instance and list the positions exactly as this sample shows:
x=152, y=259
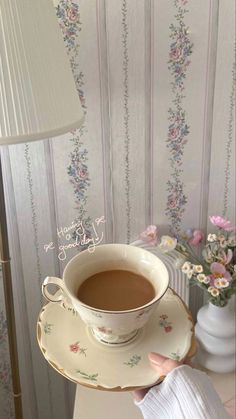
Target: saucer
x=69, y=346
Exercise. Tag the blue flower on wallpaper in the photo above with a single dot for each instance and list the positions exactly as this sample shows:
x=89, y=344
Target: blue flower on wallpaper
x=176, y=200
x=180, y=50
x=177, y=132
x=69, y=20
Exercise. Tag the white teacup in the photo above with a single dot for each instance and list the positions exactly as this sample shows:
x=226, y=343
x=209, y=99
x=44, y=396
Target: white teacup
x=110, y=327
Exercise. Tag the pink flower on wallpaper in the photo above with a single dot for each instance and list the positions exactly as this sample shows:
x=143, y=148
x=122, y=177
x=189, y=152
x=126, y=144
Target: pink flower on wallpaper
x=175, y=53
x=196, y=238
x=83, y=173
x=150, y=235
x=72, y=14
x=172, y=203
x=174, y=132
x=222, y=222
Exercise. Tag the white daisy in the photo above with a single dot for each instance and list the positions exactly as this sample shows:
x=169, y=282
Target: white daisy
x=201, y=277
x=198, y=268
x=213, y=291
x=186, y=267
x=211, y=238
x=167, y=244
x=221, y=283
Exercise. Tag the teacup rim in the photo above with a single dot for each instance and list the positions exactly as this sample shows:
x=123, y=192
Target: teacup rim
x=147, y=305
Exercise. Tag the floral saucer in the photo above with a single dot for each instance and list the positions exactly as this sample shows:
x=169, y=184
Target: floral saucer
x=70, y=348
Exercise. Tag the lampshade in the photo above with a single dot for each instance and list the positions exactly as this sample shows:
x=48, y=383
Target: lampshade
x=38, y=97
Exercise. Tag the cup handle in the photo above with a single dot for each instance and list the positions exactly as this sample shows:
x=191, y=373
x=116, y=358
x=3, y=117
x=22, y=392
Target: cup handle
x=54, y=281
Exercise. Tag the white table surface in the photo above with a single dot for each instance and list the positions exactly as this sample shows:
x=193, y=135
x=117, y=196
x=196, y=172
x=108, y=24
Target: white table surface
x=94, y=404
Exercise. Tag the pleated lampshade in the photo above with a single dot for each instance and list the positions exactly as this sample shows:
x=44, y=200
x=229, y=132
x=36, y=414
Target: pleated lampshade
x=38, y=97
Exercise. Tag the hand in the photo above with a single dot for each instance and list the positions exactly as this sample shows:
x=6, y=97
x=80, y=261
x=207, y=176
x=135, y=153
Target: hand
x=163, y=366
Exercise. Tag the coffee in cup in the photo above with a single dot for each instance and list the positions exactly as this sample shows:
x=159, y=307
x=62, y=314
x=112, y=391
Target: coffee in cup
x=115, y=290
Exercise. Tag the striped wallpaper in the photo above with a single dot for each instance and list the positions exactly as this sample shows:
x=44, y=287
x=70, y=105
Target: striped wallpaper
x=156, y=79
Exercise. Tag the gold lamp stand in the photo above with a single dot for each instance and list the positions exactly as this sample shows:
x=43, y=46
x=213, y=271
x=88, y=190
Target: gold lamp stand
x=9, y=303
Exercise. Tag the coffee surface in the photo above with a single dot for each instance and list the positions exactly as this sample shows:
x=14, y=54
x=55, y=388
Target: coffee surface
x=116, y=290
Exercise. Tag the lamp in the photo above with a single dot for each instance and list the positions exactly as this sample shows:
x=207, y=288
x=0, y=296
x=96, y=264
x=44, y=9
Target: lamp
x=38, y=99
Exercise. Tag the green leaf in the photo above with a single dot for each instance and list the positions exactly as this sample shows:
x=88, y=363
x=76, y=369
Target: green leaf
x=230, y=292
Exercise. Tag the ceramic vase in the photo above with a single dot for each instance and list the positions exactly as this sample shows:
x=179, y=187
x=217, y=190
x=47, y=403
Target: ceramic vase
x=215, y=332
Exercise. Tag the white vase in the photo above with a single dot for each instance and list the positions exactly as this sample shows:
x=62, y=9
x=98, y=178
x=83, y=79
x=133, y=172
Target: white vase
x=215, y=332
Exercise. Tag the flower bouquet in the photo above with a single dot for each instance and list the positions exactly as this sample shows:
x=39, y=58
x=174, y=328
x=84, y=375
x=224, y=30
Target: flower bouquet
x=210, y=265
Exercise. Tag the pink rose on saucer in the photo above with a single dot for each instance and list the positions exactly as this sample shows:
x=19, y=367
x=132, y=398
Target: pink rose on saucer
x=74, y=347
x=168, y=329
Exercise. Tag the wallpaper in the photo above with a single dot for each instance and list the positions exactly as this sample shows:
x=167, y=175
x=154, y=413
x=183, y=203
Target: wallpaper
x=6, y=402
x=156, y=79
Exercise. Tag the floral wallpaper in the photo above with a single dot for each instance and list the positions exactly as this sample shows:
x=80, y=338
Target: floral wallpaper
x=68, y=13
x=6, y=401
x=181, y=49
x=158, y=114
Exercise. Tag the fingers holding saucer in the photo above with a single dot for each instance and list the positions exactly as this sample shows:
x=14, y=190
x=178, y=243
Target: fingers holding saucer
x=162, y=364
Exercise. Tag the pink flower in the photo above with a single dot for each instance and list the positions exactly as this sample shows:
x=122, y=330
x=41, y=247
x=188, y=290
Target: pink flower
x=175, y=53
x=150, y=235
x=218, y=271
x=221, y=222
x=74, y=347
x=196, y=238
x=172, y=203
x=72, y=14
x=105, y=330
x=174, y=132
x=168, y=329
x=82, y=173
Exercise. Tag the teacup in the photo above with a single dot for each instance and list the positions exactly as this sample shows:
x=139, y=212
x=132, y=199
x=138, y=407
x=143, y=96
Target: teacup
x=110, y=326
